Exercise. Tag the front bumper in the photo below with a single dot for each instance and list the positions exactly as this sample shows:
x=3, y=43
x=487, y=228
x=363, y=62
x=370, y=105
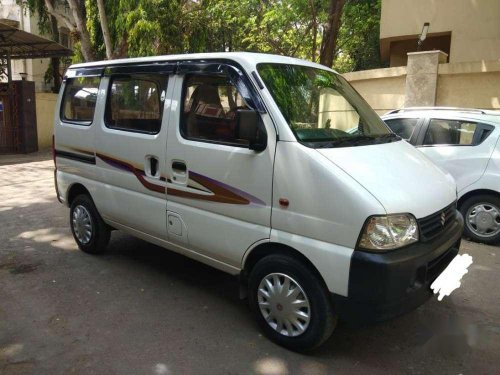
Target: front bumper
x=384, y=285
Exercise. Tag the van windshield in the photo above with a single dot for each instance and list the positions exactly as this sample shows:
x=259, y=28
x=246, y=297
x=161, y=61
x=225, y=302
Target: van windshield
x=322, y=108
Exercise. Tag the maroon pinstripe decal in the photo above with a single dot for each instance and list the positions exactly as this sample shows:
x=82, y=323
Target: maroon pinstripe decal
x=222, y=193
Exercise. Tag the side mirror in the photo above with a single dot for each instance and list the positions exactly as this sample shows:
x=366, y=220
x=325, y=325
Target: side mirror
x=250, y=128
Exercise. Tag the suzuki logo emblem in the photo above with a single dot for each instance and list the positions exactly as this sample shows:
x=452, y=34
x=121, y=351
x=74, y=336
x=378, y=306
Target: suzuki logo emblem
x=443, y=218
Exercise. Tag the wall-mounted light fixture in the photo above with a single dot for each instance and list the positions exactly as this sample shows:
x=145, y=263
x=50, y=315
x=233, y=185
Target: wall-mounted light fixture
x=423, y=35
x=23, y=76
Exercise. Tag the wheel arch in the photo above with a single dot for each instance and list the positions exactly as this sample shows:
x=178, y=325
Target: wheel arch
x=75, y=190
x=472, y=193
x=258, y=252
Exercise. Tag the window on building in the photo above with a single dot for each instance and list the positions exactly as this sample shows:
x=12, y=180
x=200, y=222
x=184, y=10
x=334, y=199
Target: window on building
x=79, y=99
x=135, y=103
x=209, y=111
x=404, y=127
x=450, y=132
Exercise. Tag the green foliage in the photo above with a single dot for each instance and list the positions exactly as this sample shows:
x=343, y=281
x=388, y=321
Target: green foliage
x=358, y=43
x=286, y=27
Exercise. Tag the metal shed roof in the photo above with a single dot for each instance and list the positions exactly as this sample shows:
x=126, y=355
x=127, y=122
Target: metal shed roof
x=19, y=44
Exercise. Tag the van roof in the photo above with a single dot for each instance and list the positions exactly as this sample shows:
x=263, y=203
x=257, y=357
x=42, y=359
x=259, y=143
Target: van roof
x=246, y=59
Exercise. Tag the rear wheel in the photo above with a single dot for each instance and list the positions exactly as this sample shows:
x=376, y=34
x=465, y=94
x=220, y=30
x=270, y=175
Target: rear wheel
x=482, y=218
x=89, y=230
x=290, y=304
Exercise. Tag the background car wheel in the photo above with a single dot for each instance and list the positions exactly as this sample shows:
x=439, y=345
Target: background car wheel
x=290, y=304
x=482, y=218
x=89, y=230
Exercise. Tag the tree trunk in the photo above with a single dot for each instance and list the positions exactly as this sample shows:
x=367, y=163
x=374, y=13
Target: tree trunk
x=331, y=32
x=61, y=18
x=55, y=62
x=105, y=29
x=87, y=49
x=314, y=30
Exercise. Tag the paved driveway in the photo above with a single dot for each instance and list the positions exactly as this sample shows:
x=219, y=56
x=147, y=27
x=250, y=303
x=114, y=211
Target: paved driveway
x=142, y=310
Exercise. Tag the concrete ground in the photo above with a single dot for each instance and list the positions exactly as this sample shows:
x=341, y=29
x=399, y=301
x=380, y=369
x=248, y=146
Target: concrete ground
x=142, y=310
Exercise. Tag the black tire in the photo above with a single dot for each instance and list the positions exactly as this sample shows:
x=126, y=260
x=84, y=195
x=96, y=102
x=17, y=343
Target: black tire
x=100, y=232
x=323, y=318
x=469, y=203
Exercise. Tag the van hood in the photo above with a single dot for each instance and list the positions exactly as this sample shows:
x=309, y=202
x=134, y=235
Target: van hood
x=400, y=177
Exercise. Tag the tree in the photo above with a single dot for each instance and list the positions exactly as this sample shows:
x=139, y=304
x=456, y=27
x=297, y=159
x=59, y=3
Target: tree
x=76, y=24
x=358, y=46
x=78, y=10
x=338, y=33
x=331, y=32
x=105, y=29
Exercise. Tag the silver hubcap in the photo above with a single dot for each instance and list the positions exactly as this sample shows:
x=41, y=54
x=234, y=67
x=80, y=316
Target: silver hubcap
x=82, y=224
x=284, y=304
x=483, y=220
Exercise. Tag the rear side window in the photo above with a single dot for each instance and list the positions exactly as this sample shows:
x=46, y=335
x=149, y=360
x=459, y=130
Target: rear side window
x=450, y=132
x=209, y=111
x=404, y=127
x=79, y=99
x=135, y=103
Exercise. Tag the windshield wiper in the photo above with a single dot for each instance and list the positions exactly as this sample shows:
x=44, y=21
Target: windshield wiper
x=360, y=140
x=391, y=137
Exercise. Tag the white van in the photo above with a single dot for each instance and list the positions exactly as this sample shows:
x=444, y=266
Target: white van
x=267, y=167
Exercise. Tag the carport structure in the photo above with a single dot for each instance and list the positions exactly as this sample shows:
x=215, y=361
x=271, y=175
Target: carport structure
x=17, y=98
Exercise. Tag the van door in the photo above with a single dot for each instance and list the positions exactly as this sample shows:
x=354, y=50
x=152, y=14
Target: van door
x=130, y=149
x=219, y=189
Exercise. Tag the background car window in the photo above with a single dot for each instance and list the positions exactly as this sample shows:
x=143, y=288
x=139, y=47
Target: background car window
x=80, y=96
x=135, y=104
x=449, y=132
x=210, y=106
x=404, y=127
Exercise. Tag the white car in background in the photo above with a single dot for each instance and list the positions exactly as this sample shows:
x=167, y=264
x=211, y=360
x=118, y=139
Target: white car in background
x=464, y=142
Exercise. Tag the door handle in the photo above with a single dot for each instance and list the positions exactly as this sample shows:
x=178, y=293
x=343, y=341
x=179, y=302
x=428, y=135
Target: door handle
x=179, y=166
x=152, y=166
x=179, y=172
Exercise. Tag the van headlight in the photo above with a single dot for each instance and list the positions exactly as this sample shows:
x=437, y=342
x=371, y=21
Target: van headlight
x=389, y=232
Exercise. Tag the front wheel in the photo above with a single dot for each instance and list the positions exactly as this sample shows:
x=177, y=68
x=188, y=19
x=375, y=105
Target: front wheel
x=290, y=304
x=482, y=218
x=89, y=230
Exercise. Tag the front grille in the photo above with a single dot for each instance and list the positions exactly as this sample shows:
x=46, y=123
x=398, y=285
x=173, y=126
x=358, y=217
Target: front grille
x=434, y=224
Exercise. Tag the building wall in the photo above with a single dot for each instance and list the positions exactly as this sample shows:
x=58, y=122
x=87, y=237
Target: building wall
x=383, y=89
x=474, y=25
x=475, y=85
x=45, y=110
x=470, y=85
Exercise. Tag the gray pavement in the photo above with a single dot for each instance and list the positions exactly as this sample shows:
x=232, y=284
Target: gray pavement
x=140, y=309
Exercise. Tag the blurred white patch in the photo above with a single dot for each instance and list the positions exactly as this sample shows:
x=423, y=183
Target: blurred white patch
x=449, y=280
x=160, y=369
x=270, y=366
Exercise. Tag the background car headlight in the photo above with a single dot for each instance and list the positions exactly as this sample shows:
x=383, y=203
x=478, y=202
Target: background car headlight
x=389, y=232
